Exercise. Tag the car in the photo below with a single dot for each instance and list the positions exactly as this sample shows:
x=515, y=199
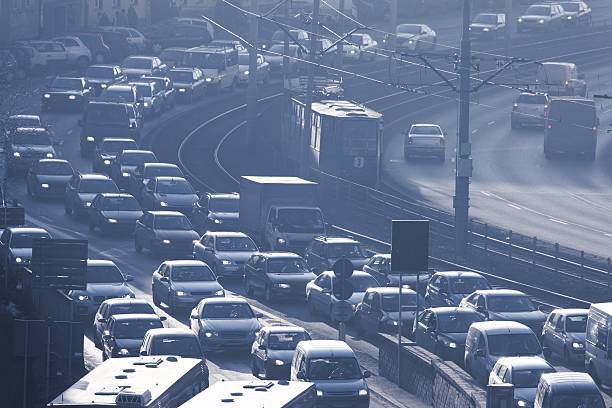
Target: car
x=379, y=310
x=48, y=178
x=103, y=119
x=145, y=172
x=66, y=92
x=323, y=252
x=173, y=34
x=101, y=76
x=124, y=334
x=295, y=35
x=116, y=42
x=217, y=212
x=124, y=93
x=359, y=47
x=116, y=306
x=275, y=56
x=106, y=151
x=183, y=284
x=276, y=275
x=198, y=22
x=125, y=164
x=263, y=69
x=151, y=98
x=560, y=79
x=100, y=52
x=542, y=16
x=16, y=246
x=568, y=389
x=505, y=305
x=52, y=54
x=443, y=331
x=136, y=66
x=379, y=266
x=235, y=44
x=14, y=122
x=77, y=52
x=104, y=281
x=448, y=288
x=529, y=108
x=225, y=323
x=488, y=25
x=83, y=188
x=225, y=252
x=577, y=13
x=564, y=334
x=168, y=193
x=415, y=37
x=24, y=58
x=319, y=294
x=172, y=56
x=166, y=89
x=272, y=351
x=133, y=37
x=597, y=361
x=189, y=84
x=8, y=66
x=219, y=66
x=523, y=373
x=114, y=212
x=26, y=146
x=164, y=232
x=425, y=140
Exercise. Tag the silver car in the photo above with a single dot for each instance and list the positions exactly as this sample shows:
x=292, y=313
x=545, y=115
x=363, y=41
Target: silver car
x=168, y=193
x=273, y=349
x=529, y=109
x=425, y=140
x=225, y=252
x=564, y=334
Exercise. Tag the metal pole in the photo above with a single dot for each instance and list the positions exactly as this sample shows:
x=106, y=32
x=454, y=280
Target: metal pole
x=399, y=334
x=339, y=54
x=48, y=361
x=286, y=46
x=252, y=90
x=507, y=38
x=392, y=41
x=341, y=331
x=25, y=364
x=464, y=161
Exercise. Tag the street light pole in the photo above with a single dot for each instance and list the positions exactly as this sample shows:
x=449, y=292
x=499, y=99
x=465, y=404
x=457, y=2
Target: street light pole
x=392, y=41
x=252, y=89
x=339, y=54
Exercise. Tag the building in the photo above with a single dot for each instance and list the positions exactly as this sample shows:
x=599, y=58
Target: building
x=19, y=20
x=61, y=16
x=114, y=9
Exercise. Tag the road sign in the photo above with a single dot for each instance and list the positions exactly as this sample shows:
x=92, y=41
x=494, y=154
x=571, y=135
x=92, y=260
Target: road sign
x=343, y=268
x=342, y=311
x=358, y=162
x=59, y=263
x=342, y=289
x=410, y=246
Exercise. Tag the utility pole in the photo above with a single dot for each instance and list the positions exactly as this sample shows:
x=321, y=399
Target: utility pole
x=252, y=89
x=339, y=49
x=393, y=40
x=507, y=39
x=305, y=143
x=461, y=200
x=286, y=46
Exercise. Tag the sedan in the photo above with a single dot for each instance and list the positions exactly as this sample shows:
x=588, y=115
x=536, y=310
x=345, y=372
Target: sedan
x=180, y=342
x=104, y=281
x=379, y=310
x=415, y=37
x=49, y=178
x=82, y=189
x=577, y=12
x=101, y=77
x=125, y=332
x=189, y=84
x=108, y=150
x=273, y=349
x=564, y=334
x=164, y=84
x=114, y=212
x=117, y=306
x=425, y=140
x=164, y=232
x=448, y=288
x=126, y=162
x=181, y=284
x=542, y=16
x=15, y=122
x=225, y=323
x=379, y=266
x=225, y=252
x=360, y=47
x=136, y=66
x=169, y=193
x=148, y=171
x=263, y=69
x=66, y=93
x=16, y=246
x=523, y=373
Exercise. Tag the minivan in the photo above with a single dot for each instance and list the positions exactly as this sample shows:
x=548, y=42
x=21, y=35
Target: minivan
x=571, y=127
x=567, y=390
x=598, y=354
x=332, y=366
x=487, y=342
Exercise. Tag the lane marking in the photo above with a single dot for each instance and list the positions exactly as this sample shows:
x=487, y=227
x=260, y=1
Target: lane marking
x=491, y=123
x=474, y=131
x=486, y=193
x=557, y=221
x=516, y=207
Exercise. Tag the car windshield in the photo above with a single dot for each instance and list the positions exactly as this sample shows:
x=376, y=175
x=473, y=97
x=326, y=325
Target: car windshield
x=136, y=158
x=538, y=11
x=485, y=19
x=23, y=122
x=536, y=99
x=300, y=220
x=135, y=329
x=243, y=59
x=123, y=94
x=277, y=48
x=172, y=223
x=114, y=147
x=192, y=273
x=181, y=76
x=162, y=171
x=425, y=130
x=31, y=138
x=529, y=378
x=106, y=114
x=134, y=308
x=235, y=244
x=390, y=301
x=227, y=311
x=24, y=240
x=334, y=368
x=514, y=345
x=98, y=186
x=144, y=90
x=515, y=303
x=67, y=83
x=185, y=346
x=360, y=283
x=576, y=324
x=466, y=286
x=286, y=340
x=577, y=401
x=174, y=186
x=572, y=7
x=456, y=323
x=120, y=204
x=54, y=168
x=205, y=60
x=345, y=250
x=103, y=274
x=356, y=39
x=138, y=63
x=100, y=72
x=288, y=265
x=223, y=205
x=408, y=29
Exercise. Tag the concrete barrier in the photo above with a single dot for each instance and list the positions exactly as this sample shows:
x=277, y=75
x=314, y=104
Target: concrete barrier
x=440, y=383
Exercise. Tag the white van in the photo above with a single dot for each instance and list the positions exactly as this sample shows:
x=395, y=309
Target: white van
x=487, y=342
x=598, y=355
x=567, y=390
x=218, y=64
x=332, y=366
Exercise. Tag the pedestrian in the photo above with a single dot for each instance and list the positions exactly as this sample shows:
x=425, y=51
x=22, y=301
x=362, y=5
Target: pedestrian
x=104, y=20
x=132, y=16
x=122, y=19
x=117, y=18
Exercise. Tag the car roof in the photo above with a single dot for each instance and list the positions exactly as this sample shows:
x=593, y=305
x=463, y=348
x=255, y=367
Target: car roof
x=100, y=262
x=24, y=117
x=566, y=64
x=170, y=178
x=211, y=49
x=159, y=164
x=175, y=49
x=69, y=77
x=603, y=307
x=171, y=332
x=183, y=69
x=185, y=262
x=162, y=213
x=356, y=272
x=573, y=311
x=224, y=195
x=27, y=230
x=326, y=348
x=93, y=176
x=148, y=57
x=116, y=195
x=525, y=362
x=500, y=292
x=337, y=240
x=227, y=299
x=136, y=151
x=284, y=329
x=104, y=65
x=425, y=124
x=119, y=86
x=227, y=234
x=500, y=327
x=135, y=316
x=574, y=380
x=126, y=301
x=450, y=310
x=53, y=161
x=31, y=130
x=279, y=255
x=118, y=139
x=459, y=274
x=391, y=290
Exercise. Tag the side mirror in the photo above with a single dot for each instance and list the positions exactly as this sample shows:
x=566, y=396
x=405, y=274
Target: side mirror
x=193, y=316
x=102, y=320
x=143, y=353
x=129, y=278
x=259, y=315
x=480, y=353
x=300, y=375
x=164, y=279
x=163, y=318
x=367, y=374
x=261, y=347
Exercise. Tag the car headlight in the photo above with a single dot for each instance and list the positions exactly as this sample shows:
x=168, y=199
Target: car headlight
x=166, y=241
x=91, y=139
x=226, y=262
x=208, y=79
x=102, y=86
x=319, y=393
x=522, y=403
x=281, y=241
x=87, y=204
x=485, y=29
x=83, y=297
x=577, y=345
x=182, y=90
x=220, y=292
x=279, y=362
x=352, y=51
x=16, y=154
x=44, y=185
x=410, y=41
x=541, y=21
x=569, y=17
x=112, y=220
x=18, y=260
x=125, y=174
x=71, y=97
x=282, y=286
x=363, y=392
x=210, y=334
x=49, y=155
x=129, y=295
x=46, y=96
x=146, y=104
x=107, y=162
x=217, y=221
x=180, y=293
x=163, y=204
x=520, y=20
x=124, y=352
x=246, y=72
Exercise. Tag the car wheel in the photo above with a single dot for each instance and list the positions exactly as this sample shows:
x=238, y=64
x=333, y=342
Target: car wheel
x=156, y=301
x=137, y=245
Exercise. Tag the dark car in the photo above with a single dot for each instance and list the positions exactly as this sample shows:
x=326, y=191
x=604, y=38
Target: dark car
x=125, y=93
x=26, y=146
x=379, y=266
x=125, y=332
x=112, y=212
x=83, y=188
x=104, y=119
x=165, y=87
x=66, y=93
x=100, y=52
x=183, y=283
x=277, y=274
x=379, y=310
x=448, y=288
x=150, y=96
x=173, y=56
x=171, y=33
x=117, y=43
x=217, y=212
x=49, y=178
x=577, y=12
x=564, y=334
x=8, y=66
x=145, y=172
x=189, y=84
x=323, y=252
x=101, y=76
x=107, y=150
x=125, y=164
x=272, y=351
x=443, y=331
x=14, y=122
x=165, y=232
x=168, y=193
x=225, y=252
x=117, y=306
x=136, y=66
x=16, y=246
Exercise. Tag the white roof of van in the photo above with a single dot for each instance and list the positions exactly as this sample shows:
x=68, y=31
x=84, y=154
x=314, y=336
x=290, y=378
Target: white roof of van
x=326, y=348
x=603, y=307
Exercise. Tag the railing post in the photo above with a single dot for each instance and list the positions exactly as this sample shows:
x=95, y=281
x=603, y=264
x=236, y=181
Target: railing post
x=535, y=252
x=510, y=245
x=609, y=273
x=556, y=256
x=582, y=267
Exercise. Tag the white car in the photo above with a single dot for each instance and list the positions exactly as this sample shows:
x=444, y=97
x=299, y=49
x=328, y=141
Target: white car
x=49, y=53
x=415, y=37
x=134, y=37
x=263, y=69
x=425, y=140
x=360, y=47
x=76, y=51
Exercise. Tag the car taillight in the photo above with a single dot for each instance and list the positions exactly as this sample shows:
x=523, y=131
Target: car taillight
x=410, y=140
x=515, y=107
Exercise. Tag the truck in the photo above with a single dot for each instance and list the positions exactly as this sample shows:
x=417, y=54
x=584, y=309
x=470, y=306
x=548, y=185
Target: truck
x=280, y=213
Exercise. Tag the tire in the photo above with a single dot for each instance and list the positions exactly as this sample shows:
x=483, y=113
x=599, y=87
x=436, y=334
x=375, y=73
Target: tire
x=82, y=62
x=137, y=245
x=68, y=210
x=156, y=301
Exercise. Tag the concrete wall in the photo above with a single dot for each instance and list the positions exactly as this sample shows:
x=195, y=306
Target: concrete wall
x=436, y=382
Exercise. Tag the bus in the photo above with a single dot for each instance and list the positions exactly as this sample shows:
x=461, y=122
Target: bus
x=257, y=393
x=137, y=382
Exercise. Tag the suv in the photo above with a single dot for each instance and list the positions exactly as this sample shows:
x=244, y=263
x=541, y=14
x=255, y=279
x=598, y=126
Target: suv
x=529, y=109
x=225, y=252
x=28, y=145
x=104, y=119
x=217, y=212
x=488, y=25
x=543, y=16
x=323, y=252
